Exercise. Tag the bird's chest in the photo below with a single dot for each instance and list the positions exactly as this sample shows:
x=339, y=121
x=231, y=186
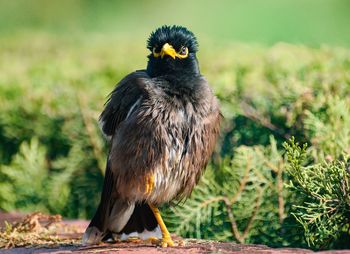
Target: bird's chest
x=176, y=124
x=173, y=128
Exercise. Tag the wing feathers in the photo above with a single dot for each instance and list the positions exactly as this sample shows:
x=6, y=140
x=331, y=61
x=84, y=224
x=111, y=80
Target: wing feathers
x=122, y=101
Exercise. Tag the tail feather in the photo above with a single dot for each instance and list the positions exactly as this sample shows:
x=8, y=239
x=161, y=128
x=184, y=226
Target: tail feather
x=103, y=223
x=117, y=216
x=141, y=219
x=97, y=228
x=95, y=231
x=120, y=215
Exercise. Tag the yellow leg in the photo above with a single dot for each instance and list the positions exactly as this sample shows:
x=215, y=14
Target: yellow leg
x=166, y=238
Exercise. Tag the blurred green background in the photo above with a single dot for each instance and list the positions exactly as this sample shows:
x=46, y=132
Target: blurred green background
x=280, y=68
x=312, y=22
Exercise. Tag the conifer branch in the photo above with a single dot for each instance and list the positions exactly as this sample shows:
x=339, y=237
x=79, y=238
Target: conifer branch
x=91, y=132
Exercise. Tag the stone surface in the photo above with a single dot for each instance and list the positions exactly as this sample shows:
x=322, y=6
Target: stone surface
x=189, y=245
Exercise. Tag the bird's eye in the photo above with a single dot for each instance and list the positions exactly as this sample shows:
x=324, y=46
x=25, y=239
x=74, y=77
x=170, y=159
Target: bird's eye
x=156, y=52
x=183, y=51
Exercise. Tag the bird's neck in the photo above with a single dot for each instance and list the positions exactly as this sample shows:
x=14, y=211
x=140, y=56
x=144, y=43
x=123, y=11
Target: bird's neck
x=173, y=71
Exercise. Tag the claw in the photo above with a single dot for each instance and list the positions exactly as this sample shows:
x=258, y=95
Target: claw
x=164, y=242
x=153, y=240
x=167, y=242
x=134, y=240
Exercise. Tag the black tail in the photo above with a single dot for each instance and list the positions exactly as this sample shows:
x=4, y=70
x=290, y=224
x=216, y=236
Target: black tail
x=141, y=219
x=97, y=228
x=116, y=215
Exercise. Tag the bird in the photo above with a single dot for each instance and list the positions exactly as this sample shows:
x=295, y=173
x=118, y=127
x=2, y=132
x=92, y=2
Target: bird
x=162, y=124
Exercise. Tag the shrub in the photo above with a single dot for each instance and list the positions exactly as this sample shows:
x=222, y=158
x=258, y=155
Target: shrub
x=52, y=153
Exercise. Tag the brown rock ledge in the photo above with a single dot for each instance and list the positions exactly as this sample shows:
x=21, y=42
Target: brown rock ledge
x=190, y=245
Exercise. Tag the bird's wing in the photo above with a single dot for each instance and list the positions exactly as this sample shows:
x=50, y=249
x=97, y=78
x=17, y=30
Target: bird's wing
x=122, y=101
x=113, y=213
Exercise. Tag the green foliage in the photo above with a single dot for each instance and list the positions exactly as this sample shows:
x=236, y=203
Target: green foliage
x=243, y=199
x=324, y=212
x=52, y=153
x=328, y=129
x=28, y=175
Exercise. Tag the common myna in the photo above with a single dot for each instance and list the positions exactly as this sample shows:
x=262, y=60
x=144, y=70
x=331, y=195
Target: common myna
x=162, y=124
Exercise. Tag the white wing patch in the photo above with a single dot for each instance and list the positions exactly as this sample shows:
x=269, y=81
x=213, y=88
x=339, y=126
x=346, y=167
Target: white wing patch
x=101, y=124
x=133, y=107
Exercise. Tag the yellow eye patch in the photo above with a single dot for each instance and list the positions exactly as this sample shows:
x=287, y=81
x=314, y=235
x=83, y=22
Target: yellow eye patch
x=167, y=49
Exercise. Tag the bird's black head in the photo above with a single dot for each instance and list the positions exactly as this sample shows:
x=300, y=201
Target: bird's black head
x=173, y=52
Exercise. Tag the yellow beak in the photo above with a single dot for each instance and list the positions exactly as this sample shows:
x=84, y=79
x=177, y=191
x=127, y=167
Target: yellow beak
x=167, y=49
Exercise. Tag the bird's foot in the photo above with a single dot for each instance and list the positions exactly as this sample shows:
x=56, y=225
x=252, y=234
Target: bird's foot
x=167, y=242
x=133, y=240
x=153, y=240
x=149, y=184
